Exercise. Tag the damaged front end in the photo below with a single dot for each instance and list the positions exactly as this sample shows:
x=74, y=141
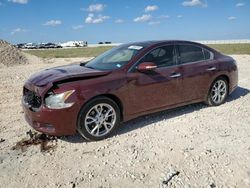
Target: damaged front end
x=45, y=87
x=52, y=98
x=50, y=110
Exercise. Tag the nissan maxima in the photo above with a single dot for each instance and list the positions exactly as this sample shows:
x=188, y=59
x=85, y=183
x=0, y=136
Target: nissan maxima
x=126, y=82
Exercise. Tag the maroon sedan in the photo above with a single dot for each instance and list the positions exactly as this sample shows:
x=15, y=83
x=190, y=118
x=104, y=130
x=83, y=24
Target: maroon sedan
x=126, y=82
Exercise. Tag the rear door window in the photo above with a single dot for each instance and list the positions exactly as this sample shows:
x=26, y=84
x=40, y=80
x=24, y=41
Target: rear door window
x=190, y=53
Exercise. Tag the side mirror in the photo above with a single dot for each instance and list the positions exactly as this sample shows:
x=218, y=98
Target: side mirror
x=146, y=66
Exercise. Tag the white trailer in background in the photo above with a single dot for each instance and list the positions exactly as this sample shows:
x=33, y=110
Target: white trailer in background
x=74, y=44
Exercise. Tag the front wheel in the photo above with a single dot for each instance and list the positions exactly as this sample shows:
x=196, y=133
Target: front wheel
x=218, y=92
x=98, y=119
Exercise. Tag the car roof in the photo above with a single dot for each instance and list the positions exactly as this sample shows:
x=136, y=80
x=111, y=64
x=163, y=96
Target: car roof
x=159, y=42
x=155, y=43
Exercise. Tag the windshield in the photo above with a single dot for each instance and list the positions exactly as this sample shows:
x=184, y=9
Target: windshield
x=114, y=58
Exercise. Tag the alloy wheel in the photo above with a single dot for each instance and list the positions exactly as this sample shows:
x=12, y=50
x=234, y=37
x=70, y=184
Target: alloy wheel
x=219, y=91
x=100, y=119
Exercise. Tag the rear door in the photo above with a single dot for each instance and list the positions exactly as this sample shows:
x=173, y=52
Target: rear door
x=197, y=69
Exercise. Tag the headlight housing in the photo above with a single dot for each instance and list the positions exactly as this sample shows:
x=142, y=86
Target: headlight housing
x=57, y=101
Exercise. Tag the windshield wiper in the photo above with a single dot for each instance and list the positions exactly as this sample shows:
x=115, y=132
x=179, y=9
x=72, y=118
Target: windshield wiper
x=89, y=67
x=83, y=63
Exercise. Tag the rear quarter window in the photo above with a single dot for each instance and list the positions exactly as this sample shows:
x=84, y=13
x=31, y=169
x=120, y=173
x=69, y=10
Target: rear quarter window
x=207, y=54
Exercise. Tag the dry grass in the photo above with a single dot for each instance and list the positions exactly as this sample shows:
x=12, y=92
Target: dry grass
x=95, y=51
x=232, y=48
x=69, y=52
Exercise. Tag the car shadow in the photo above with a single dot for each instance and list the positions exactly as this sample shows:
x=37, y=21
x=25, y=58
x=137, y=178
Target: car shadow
x=159, y=116
x=237, y=93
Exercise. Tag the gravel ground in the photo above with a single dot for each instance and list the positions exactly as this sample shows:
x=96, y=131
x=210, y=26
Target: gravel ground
x=192, y=146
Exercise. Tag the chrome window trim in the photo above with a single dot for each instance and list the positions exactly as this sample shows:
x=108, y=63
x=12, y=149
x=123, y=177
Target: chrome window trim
x=193, y=62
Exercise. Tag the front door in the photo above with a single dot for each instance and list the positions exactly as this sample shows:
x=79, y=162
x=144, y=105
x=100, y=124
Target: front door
x=158, y=88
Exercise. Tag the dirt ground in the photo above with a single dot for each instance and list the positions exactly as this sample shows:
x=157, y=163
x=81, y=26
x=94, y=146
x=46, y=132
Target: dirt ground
x=196, y=145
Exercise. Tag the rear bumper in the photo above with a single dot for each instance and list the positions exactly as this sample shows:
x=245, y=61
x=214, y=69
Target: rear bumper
x=59, y=122
x=233, y=83
x=232, y=89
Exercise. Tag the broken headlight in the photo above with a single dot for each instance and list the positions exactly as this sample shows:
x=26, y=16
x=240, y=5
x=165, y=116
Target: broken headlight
x=57, y=101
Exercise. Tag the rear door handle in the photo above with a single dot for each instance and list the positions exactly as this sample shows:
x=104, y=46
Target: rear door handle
x=175, y=75
x=211, y=69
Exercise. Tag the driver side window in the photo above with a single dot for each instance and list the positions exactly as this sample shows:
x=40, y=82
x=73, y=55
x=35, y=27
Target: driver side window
x=162, y=56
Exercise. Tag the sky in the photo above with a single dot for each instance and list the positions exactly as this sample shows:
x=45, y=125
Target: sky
x=122, y=21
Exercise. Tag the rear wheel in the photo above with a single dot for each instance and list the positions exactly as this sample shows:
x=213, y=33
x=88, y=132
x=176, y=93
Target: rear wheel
x=98, y=119
x=218, y=92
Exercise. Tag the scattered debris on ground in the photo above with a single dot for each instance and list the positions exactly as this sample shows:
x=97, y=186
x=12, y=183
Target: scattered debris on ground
x=37, y=139
x=10, y=55
x=2, y=140
x=212, y=185
x=169, y=176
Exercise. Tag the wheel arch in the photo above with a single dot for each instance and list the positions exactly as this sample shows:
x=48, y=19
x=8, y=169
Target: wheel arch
x=225, y=77
x=219, y=76
x=117, y=100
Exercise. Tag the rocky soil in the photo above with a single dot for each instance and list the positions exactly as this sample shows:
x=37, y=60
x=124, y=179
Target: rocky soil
x=192, y=146
x=10, y=55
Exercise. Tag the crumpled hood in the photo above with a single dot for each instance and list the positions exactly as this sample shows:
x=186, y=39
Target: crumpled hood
x=61, y=73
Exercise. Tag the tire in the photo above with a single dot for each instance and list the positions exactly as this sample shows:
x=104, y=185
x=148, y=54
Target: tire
x=98, y=119
x=216, y=90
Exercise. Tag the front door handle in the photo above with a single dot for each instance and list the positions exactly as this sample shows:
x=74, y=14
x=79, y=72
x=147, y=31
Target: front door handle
x=175, y=75
x=211, y=69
